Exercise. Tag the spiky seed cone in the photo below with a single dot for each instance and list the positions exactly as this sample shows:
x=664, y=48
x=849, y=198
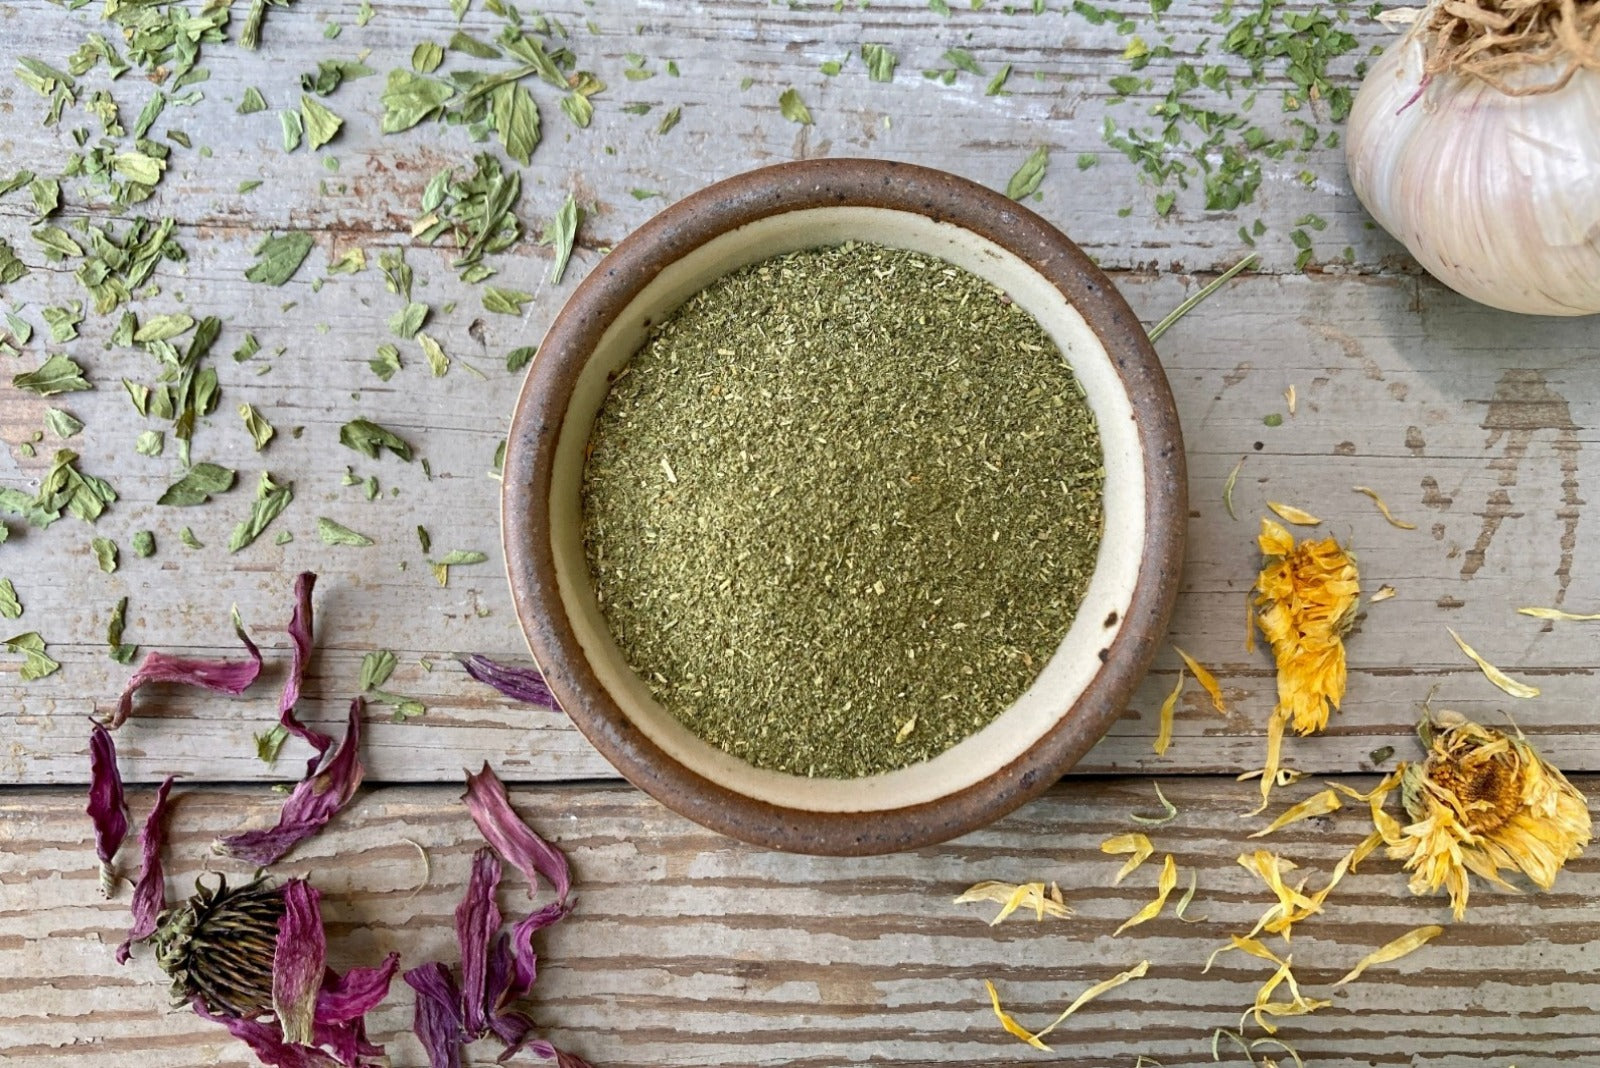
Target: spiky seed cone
x=218, y=947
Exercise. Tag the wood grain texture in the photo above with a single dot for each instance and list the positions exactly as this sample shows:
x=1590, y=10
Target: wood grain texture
x=688, y=949
x=1473, y=424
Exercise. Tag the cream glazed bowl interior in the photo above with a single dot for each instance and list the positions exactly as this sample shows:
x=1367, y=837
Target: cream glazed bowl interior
x=1124, y=613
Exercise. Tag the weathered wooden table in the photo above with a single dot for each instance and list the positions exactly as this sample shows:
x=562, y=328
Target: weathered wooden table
x=687, y=948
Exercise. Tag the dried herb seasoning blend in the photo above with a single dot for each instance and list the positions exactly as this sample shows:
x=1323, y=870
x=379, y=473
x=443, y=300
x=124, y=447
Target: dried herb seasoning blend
x=841, y=507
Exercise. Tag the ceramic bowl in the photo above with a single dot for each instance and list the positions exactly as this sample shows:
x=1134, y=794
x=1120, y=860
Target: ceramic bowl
x=1125, y=610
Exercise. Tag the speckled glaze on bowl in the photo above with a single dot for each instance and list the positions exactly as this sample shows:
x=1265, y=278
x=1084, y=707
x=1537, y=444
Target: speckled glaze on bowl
x=1124, y=614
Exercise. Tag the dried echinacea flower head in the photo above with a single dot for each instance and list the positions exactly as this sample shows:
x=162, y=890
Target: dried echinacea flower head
x=1482, y=802
x=218, y=947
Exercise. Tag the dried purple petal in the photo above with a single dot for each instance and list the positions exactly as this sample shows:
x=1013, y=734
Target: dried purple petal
x=333, y=1046
x=547, y=1051
x=300, y=630
x=108, y=808
x=313, y=803
x=355, y=993
x=477, y=920
x=266, y=1042
x=517, y=683
x=218, y=676
x=437, y=1018
x=491, y=810
x=150, y=892
x=298, y=961
x=524, y=962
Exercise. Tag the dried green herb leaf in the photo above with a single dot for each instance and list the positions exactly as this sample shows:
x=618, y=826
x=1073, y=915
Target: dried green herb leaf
x=961, y=59
x=424, y=539
x=57, y=244
x=294, y=129
x=438, y=362
x=16, y=181
x=279, y=257
x=321, y=124
x=11, y=268
x=505, y=301
x=271, y=499
x=65, y=488
x=1026, y=181
x=10, y=607
x=197, y=486
x=669, y=120
x=163, y=328
x=408, y=320
x=426, y=57
x=333, y=533
x=997, y=84
x=63, y=321
x=409, y=98
x=352, y=262
x=105, y=553
x=520, y=357
x=269, y=743
x=20, y=328
x=58, y=374
x=150, y=443
x=364, y=13
x=61, y=424
x=562, y=232
x=260, y=430
x=470, y=45
x=46, y=194
x=252, y=102
x=249, y=185
x=376, y=667
x=516, y=120
x=369, y=438
x=463, y=556
x=139, y=167
x=121, y=653
x=144, y=543
x=386, y=363
x=37, y=663
x=880, y=62
x=578, y=108
x=187, y=537
x=793, y=108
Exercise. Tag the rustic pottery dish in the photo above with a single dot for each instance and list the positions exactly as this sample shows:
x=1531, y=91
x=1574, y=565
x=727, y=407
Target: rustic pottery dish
x=1124, y=613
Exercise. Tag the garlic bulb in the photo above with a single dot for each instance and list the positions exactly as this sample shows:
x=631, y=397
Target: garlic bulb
x=1497, y=195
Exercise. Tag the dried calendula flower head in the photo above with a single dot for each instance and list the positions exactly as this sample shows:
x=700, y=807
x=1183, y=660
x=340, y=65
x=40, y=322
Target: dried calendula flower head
x=1483, y=802
x=1306, y=599
x=218, y=947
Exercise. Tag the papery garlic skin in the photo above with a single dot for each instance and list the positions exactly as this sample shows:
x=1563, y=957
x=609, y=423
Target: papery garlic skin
x=1497, y=196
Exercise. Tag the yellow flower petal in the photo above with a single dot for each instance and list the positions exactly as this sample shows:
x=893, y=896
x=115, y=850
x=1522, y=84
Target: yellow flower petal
x=1556, y=613
x=1384, y=593
x=1134, y=843
x=1227, y=488
x=1009, y=1023
x=1248, y=945
x=1290, y=514
x=1316, y=805
x=1164, y=885
x=1164, y=731
x=1384, y=508
x=1136, y=972
x=1409, y=942
x=1207, y=681
x=1494, y=674
x=1012, y=896
x=1188, y=896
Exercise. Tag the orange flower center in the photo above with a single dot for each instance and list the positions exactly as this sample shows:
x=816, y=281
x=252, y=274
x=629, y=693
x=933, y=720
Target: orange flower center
x=1489, y=790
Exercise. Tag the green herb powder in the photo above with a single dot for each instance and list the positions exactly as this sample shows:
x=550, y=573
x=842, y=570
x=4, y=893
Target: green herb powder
x=841, y=508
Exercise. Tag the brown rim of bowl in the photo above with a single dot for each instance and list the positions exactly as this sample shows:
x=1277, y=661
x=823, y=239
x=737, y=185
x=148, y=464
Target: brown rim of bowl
x=547, y=392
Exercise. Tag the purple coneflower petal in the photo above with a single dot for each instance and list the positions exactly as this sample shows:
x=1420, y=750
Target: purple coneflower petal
x=313, y=803
x=491, y=810
x=477, y=920
x=218, y=676
x=266, y=1042
x=355, y=993
x=517, y=683
x=300, y=630
x=150, y=892
x=437, y=1017
x=298, y=961
x=108, y=808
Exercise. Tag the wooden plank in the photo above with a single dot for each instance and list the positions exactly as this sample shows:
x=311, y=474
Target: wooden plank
x=1471, y=423
x=1058, y=95
x=687, y=948
x=1387, y=398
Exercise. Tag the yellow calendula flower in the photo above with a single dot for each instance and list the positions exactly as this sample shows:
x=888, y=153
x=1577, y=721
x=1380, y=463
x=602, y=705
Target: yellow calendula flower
x=1481, y=803
x=1305, y=601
